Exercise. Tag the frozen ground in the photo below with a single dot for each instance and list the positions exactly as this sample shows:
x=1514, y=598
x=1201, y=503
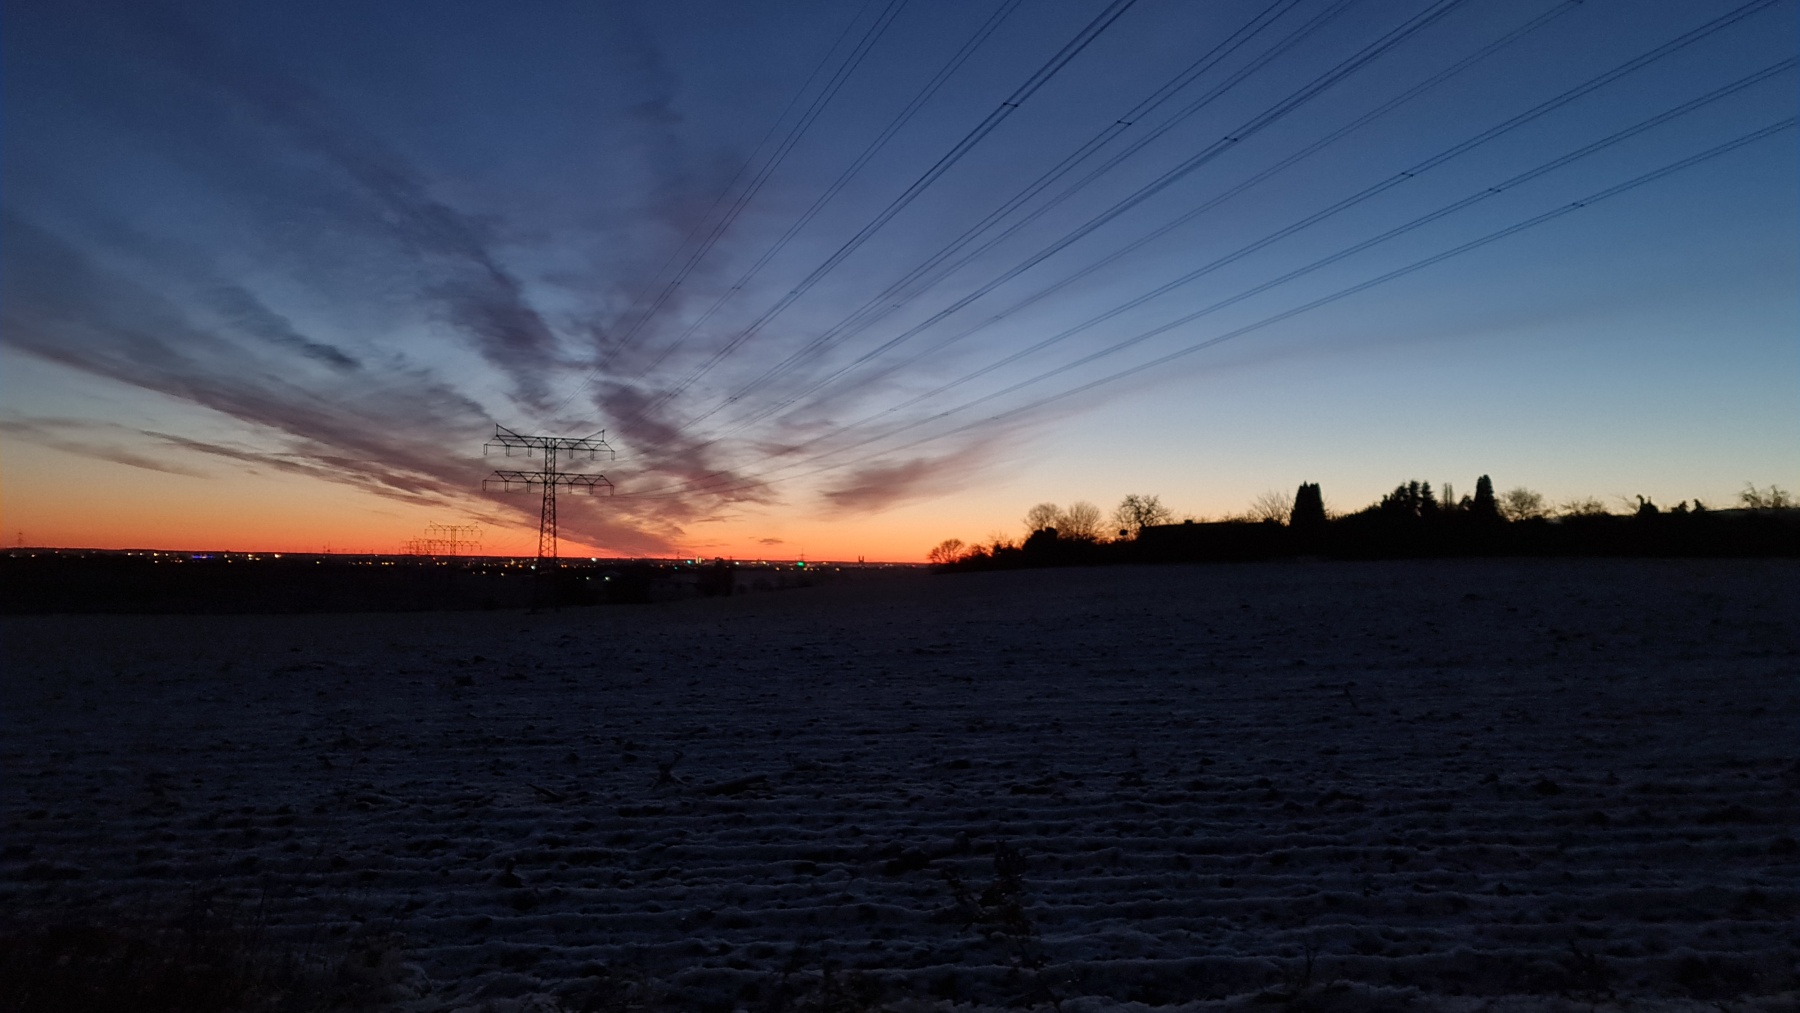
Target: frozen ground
x=1436, y=785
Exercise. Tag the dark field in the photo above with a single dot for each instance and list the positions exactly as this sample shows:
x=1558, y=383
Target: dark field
x=1451, y=785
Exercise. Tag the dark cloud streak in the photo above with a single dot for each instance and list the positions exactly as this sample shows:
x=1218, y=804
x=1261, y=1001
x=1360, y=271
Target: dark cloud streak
x=248, y=314
x=474, y=290
x=397, y=434
x=86, y=438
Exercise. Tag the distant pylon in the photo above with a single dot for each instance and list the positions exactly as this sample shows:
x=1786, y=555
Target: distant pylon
x=549, y=475
x=445, y=540
x=453, y=539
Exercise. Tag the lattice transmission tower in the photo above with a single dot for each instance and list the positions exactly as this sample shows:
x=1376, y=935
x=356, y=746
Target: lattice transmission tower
x=445, y=540
x=455, y=539
x=549, y=475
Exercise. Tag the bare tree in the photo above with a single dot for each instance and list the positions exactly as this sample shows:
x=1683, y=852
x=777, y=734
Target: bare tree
x=1044, y=515
x=1772, y=498
x=947, y=551
x=1080, y=521
x=1582, y=506
x=1521, y=504
x=1271, y=506
x=1134, y=513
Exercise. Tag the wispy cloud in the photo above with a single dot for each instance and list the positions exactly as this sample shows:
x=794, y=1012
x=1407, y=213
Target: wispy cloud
x=463, y=275
x=885, y=483
x=98, y=440
x=399, y=432
x=249, y=315
x=317, y=283
x=381, y=432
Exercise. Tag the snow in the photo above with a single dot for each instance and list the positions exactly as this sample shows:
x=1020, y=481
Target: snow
x=1451, y=785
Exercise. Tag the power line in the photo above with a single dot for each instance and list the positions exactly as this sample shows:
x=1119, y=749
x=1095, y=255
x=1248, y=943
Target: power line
x=1249, y=128
x=1171, y=357
x=1365, y=194
x=905, y=116
x=1405, y=175
x=1419, y=222
x=1180, y=220
x=931, y=175
x=1474, y=244
x=879, y=305
x=818, y=104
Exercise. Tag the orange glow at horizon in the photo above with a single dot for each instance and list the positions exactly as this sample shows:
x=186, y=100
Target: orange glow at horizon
x=118, y=506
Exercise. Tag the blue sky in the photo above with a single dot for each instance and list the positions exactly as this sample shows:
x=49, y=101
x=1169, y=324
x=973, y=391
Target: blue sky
x=259, y=256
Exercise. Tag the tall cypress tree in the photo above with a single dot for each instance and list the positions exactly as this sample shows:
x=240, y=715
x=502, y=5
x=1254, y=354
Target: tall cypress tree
x=1484, y=507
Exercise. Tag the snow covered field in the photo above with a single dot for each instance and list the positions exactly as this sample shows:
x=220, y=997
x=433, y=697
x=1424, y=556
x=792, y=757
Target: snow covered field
x=1434, y=785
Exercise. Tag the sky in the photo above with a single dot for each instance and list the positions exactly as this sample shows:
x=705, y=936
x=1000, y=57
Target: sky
x=843, y=279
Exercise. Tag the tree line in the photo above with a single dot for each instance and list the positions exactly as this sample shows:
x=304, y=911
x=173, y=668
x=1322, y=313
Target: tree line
x=1411, y=520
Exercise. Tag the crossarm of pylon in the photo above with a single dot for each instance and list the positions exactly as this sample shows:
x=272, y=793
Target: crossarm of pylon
x=589, y=445
x=507, y=441
x=512, y=481
x=527, y=481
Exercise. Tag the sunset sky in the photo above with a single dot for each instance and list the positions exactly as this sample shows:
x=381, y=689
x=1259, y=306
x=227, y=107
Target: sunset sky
x=848, y=278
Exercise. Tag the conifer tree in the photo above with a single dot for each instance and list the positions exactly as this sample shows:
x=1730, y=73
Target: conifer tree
x=1309, y=507
x=1484, y=507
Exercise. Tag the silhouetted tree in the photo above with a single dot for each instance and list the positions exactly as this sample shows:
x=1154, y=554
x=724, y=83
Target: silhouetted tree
x=1582, y=506
x=1392, y=504
x=947, y=551
x=1042, y=516
x=1081, y=522
x=1484, y=507
x=1772, y=498
x=1413, y=500
x=1309, y=508
x=1521, y=504
x=1134, y=513
x=1270, y=506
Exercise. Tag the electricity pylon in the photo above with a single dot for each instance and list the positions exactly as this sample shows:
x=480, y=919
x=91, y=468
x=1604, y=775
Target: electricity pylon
x=548, y=477
x=453, y=539
x=445, y=540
